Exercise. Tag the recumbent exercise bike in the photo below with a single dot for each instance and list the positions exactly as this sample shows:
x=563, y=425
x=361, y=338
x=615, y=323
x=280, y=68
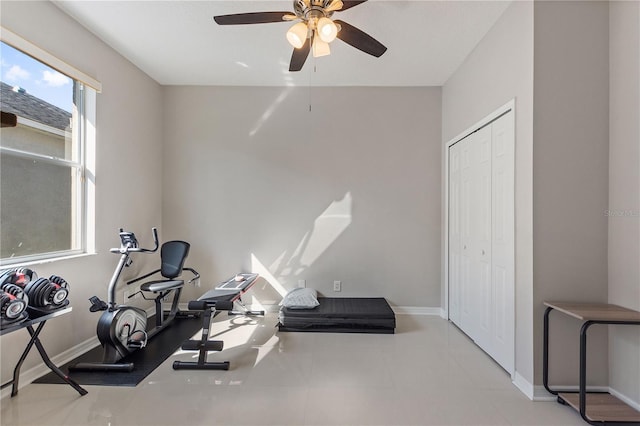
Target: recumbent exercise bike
x=122, y=329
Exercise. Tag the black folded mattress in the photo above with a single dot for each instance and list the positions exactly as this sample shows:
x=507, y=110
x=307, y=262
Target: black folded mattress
x=341, y=315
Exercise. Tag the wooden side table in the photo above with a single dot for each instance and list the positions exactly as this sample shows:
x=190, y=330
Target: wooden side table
x=596, y=408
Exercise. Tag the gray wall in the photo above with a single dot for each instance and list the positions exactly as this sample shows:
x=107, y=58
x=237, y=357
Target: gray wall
x=500, y=69
x=553, y=58
x=349, y=191
x=128, y=176
x=570, y=177
x=624, y=192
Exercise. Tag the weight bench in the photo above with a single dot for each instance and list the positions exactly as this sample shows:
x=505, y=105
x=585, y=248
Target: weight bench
x=221, y=298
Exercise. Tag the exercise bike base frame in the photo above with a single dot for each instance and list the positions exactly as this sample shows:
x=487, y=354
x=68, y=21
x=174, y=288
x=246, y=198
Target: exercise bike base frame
x=97, y=366
x=186, y=365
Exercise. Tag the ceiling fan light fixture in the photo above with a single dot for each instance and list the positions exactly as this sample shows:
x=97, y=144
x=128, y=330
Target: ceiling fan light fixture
x=327, y=29
x=316, y=30
x=334, y=5
x=297, y=35
x=320, y=48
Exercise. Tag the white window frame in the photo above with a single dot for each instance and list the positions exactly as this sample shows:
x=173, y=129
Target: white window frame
x=84, y=137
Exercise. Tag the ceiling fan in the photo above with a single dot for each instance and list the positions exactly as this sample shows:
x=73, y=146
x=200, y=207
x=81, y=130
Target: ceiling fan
x=315, y=29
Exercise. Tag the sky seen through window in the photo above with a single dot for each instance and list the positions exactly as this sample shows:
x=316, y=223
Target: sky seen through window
x=21, y=70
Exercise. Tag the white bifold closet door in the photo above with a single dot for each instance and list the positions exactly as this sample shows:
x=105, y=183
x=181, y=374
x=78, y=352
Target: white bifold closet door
x=481, y=238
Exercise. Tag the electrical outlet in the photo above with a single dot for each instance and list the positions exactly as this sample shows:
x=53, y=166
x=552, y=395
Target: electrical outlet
x=302, y=283
x=337, y=286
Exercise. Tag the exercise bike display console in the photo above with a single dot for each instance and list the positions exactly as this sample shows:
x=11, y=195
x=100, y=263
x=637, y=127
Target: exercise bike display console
x=122, y=329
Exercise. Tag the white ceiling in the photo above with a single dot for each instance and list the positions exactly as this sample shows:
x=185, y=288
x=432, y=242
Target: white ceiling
x=178, y=43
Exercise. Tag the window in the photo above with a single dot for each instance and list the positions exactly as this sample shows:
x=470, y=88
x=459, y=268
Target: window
x=43, y=160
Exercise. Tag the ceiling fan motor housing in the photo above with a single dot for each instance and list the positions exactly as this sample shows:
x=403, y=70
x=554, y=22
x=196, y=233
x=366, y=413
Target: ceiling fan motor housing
x=312, y=10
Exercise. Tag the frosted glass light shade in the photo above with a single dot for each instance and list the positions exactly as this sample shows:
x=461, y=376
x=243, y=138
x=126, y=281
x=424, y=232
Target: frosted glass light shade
x=327, y=30
x=297, y=35
x=320, y=48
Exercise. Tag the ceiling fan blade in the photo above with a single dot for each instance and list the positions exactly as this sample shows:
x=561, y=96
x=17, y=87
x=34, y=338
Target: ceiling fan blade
x=348, y=4
x=299, y=56
x=251, y=18
x=359, y=39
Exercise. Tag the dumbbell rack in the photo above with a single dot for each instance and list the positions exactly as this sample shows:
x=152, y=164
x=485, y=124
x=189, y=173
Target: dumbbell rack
x=35, y=340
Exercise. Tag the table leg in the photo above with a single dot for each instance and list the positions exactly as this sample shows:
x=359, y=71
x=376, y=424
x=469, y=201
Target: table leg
x=545, y=352
x=583, y=370
x=16, y=370
x=51, y=365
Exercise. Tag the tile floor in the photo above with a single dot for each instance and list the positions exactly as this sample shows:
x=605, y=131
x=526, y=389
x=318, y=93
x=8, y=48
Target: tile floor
x=428, y=373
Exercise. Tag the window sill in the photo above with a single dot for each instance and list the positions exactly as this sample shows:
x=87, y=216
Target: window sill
x=9, y=263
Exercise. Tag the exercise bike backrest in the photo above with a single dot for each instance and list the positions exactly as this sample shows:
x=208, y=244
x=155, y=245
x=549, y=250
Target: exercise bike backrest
x=128, y=244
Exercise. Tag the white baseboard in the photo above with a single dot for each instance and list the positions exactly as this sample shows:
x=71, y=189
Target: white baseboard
x=27, y=377
x=541, y=393
x=417, y=310
x=524, y=386
x=625, y=399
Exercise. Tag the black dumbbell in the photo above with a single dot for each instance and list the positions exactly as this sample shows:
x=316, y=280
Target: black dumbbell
x=13, y=301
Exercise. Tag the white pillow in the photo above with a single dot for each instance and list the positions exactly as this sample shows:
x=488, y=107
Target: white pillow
x=300, y=298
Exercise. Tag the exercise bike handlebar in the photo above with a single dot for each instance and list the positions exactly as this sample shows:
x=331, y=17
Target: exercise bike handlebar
x=129, y=243
x=196, y=274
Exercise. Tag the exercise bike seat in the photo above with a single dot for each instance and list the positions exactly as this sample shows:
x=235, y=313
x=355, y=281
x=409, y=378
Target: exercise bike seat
x=172, y=256
x=161, y=285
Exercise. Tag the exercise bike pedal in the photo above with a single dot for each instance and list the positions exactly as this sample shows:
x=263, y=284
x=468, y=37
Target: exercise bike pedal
x=97, y=304
x=137, y=340
x=209, y=345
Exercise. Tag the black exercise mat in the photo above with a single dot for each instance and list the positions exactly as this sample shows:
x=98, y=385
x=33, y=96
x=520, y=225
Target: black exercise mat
x=341, y=315
x=145, y=360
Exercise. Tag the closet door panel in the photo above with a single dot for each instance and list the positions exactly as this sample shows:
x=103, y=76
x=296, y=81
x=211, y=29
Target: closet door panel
x=481, y=239
x=468, y=267
x=454, y=234
x=503, y=242
x=482, y=234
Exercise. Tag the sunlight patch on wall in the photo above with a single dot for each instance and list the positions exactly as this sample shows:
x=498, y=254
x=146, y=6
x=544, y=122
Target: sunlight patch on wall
x=274, y=105
x=258, y=268
x=326, y=229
